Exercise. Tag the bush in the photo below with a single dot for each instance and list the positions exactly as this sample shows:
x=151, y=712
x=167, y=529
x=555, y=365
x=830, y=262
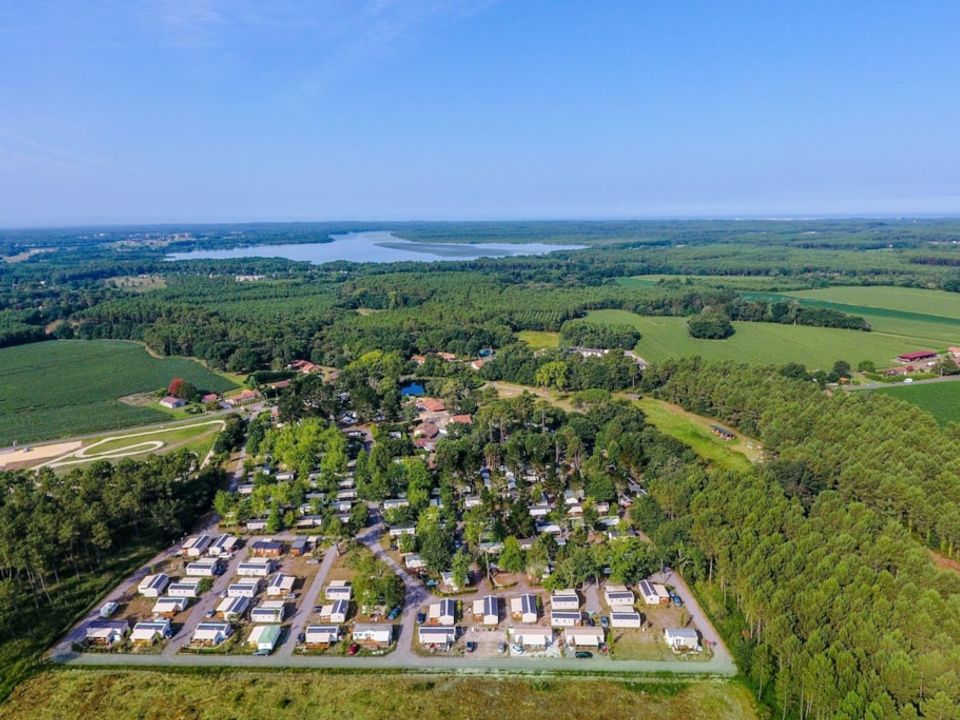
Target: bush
x=710, y=326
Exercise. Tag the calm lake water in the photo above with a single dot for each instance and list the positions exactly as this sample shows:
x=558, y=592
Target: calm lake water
x=374, y=246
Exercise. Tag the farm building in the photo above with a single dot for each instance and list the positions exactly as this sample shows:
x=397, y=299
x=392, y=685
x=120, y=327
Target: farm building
x=232, y=608
x=532, y=636
x=223, y=545
x=150, y=631
x=266, y=548
x=280, y=585
x=338, y=590
x=682, y=638
x=379, y=634
x=653, y=593
x=524, y=608
x=169, y=606
x=433, y=635
x=565, y=618
x=264, y=637
x=565, y=600
x=244, y=588
x=442, y=613
x=584, y=636
x=617, y=595
x=317, y=636
x=153, y=585
x=260, y=567
x=625, y=619
x=209, y=567
x=105, y=632
x=917, y=356
x=269, y=611
x=335, y=612
x=211, y=633
x=172, y=403
x=196, y=545
x=487, y=610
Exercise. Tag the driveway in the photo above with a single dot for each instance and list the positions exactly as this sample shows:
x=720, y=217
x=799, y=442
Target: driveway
x=307, y=603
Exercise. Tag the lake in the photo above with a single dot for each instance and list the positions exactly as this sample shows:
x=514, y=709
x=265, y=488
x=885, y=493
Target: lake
x=374, y=246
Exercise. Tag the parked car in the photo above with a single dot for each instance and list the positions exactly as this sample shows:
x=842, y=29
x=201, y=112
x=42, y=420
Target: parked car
x=313, y=561
x=517, y=648
x=502, y=648
x=261, y=653
x=394, y=614
x=590, y=622
x=421, y=618
x=210, y=613
x=583, y=655
x=353, y=649
x=677, y=600
x=302, y=638
x=471, y=646
x=604, y=622
x=108, y=609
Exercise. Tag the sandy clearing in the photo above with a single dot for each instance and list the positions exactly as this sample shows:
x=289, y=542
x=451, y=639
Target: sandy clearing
x=38, y=452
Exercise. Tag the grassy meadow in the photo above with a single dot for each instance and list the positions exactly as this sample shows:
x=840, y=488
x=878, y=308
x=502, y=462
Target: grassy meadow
x=940, y=399
x=760, y=343
x=539, y=338
x=111, y=694
x=66, y=387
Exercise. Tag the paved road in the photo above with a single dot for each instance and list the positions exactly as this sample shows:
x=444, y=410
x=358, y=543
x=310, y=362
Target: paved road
x=307, y=602
x=591, y=598
x=928, y=381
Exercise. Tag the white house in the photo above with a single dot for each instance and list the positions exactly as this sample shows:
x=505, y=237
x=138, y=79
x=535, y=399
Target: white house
x=618, y=595
x=338, y=590
x=682, y=638
x=524, y=608
x=269, y=611
x=223, y=545
x=446, y=579
x=186, y=588
x=472, y=501
x=208, y=567
x=280, y=585
x=395, y=503
x=335, y=612
x=584, y=636
x=443, y=612
x=196, y=545
x=169, y=606
x=532, y=636
x=245, y=588
x=373, y=633
x=487, y=610
x=258, y=567
x=321, y=635
x=148, y=632
x=564, y=600
x=211, y=633
x=625, y=619
x=565, y=618
x=106, y=632
x=414, y=562
x=653, y=593
x=153, y=585
x=436, y=635
x=232, y=608
x=399, y=530
x=264, y=637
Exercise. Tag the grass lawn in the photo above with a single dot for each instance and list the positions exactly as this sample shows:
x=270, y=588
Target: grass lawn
x=69, y=387
x=637, y=645
x=539, y=338
x=694, y=430
x=940, y=399
x=761, y=343
x=111, y=694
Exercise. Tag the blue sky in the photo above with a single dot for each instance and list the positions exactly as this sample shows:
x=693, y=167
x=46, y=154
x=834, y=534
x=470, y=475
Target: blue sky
x=158, y=110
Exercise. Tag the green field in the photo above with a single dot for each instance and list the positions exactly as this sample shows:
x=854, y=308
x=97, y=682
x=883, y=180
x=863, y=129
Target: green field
x=539, y=338
x=113, y=694
x=940, y=399
x=694, y=431
x=760, y=343
x=55, y=389
x=914, y=300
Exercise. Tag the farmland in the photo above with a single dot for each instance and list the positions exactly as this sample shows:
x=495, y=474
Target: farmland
x=760, y=343
x=54, y=389
x=940, y=399
x=208, y=696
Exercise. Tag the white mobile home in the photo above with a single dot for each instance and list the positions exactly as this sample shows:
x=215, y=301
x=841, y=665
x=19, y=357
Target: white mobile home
x=169, y=606
x=245, y=588
x=211, y=633
x=487, y=610
x=223, y=545
x=106, y=632
x=338, y=590
x=532, y=636
x=321, y=635
x=186, y=588
x=524, y=608
x=259, y=567
x=149, y=632
x=335, y=612
x=618, y=595
x=153, y=585
x=264, y=637
x=625, y=619
x=653, y=593
x=584, y=636
x=208, y=567
x=196, y=545
x=565, y=618
x=681, y=639
x=373, y=633
x=436, y=635
x=443, y=613
x=269, y=611
x=280, y=585
x=233, y=608
x=565, y=600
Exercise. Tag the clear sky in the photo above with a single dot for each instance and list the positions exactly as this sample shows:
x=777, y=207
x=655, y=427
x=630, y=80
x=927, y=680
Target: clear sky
x=172, y=110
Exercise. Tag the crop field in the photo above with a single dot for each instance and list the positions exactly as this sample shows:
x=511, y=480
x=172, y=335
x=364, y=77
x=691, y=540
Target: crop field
x=760, y=343
x=940, y=399
x=109, y=695
x=914, y=300
x=67, y=387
